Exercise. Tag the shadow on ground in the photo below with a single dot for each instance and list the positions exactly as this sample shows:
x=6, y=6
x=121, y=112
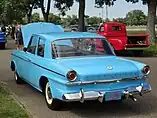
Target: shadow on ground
x=131, y=54
x=119, y=109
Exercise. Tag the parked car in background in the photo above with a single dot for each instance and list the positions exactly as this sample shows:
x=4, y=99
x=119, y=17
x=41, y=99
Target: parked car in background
x=88, y=28
x=2, y=40
x=74, y=66
x=116, y=34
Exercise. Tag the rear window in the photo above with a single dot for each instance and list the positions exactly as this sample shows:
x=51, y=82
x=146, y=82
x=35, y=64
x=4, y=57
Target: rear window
x=116, y=28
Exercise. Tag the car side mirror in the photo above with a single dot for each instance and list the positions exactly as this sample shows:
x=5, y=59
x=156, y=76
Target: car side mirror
x=24, y=49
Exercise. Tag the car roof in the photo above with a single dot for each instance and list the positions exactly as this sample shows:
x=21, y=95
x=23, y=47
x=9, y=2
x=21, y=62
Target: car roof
x=62, y=35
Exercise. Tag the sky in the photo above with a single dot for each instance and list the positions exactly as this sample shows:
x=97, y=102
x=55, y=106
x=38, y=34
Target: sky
x=120, y=9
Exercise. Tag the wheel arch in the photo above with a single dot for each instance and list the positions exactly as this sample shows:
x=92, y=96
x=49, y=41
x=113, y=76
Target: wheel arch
x=117, y=44
x=12, y=65
x=42, y=82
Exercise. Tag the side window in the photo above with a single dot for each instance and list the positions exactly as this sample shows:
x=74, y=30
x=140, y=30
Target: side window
x=41, y=46
x=32, y=45
x=102, y=29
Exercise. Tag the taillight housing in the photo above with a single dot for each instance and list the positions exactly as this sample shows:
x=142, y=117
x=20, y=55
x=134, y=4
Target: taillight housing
x=72, y=75
x=146, y=70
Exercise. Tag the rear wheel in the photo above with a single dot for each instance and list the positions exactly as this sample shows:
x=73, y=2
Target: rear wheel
x=52, y=103
x=17, y=78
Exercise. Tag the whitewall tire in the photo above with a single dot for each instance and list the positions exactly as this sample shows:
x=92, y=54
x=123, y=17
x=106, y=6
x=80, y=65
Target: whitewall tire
x=17, y=78
x=52, y=103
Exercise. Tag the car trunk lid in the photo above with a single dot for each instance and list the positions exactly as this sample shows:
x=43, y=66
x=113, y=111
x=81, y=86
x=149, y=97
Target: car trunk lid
x=101, y=68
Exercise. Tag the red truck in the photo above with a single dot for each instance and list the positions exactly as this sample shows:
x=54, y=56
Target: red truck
x=116, y=34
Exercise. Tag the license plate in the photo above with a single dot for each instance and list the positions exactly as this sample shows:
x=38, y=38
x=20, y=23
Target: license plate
x=109, y=96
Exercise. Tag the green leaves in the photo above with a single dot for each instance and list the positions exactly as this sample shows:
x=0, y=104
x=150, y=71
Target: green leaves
x=36, y=17
x=136, y=17
x=54, y=18
x=63, y=5
x=11, y=10
x=100, y=3
x=94, y=20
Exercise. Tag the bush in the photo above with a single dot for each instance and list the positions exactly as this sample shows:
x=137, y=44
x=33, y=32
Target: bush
x=151, y=51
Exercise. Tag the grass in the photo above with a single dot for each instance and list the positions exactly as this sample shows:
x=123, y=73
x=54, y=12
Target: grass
x=9, y=107
x=151, y=51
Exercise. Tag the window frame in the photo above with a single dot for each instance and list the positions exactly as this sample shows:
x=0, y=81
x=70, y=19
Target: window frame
x=39, y=39
x=30, y=42
x=100, y=28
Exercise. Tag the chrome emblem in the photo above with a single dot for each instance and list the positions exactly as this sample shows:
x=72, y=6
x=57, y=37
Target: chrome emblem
x=109, y=67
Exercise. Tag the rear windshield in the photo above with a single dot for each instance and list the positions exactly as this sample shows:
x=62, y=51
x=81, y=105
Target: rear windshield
x=76, y=47
x=116, y=28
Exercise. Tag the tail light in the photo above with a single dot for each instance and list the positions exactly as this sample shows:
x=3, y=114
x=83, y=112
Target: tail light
x=72, y=75
x=146, y=70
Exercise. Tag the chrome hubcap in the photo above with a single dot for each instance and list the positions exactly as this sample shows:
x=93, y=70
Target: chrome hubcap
x=49, y=93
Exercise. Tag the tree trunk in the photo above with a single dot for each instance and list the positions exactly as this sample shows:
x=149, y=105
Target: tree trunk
x=151, y=20
x=29, y=18
x=46, y=17
x=81, y=15
x=47, y=12
x=29, y=15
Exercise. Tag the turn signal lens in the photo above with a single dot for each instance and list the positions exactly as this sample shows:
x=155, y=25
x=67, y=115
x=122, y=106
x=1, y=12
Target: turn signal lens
x=146, y=70
x=72, y=76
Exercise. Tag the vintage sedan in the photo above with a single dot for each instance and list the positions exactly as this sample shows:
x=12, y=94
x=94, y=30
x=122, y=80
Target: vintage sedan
x=74, y=66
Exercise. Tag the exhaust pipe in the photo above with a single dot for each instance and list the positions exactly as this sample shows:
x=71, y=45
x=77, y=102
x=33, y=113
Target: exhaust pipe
x=133, y=98
x=129, y=95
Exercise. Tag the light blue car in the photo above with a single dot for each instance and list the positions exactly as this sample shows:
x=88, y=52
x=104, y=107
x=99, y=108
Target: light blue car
x=74, y=66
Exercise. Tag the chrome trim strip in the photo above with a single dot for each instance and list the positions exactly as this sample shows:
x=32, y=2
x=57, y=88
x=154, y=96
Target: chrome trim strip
x=100, y=81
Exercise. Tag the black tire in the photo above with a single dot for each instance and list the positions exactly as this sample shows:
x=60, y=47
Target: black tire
x=18, y=80
x=52, y=103
x=2, y=46
x=91, y=29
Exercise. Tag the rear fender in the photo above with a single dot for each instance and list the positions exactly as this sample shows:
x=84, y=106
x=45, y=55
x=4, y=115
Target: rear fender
x=117, y=44
x=57, y=84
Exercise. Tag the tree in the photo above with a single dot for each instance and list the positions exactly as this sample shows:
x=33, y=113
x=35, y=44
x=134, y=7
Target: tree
x=94, y=20
x=151, y=14
x=29, y=5
x=11, y=10
x=151, y=20
x=136, y=17
x=70, y=20
x=64, y=5
x=81, y=15
x=54, y=19
x=121, y=20
x=36, y=17
x=46, y=11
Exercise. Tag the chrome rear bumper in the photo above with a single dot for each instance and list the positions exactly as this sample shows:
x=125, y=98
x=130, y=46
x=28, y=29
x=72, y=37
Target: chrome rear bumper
x=99, y=95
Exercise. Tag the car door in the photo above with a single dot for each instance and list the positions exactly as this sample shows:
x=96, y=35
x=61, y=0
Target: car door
x=30, y=55
x=36, y=65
